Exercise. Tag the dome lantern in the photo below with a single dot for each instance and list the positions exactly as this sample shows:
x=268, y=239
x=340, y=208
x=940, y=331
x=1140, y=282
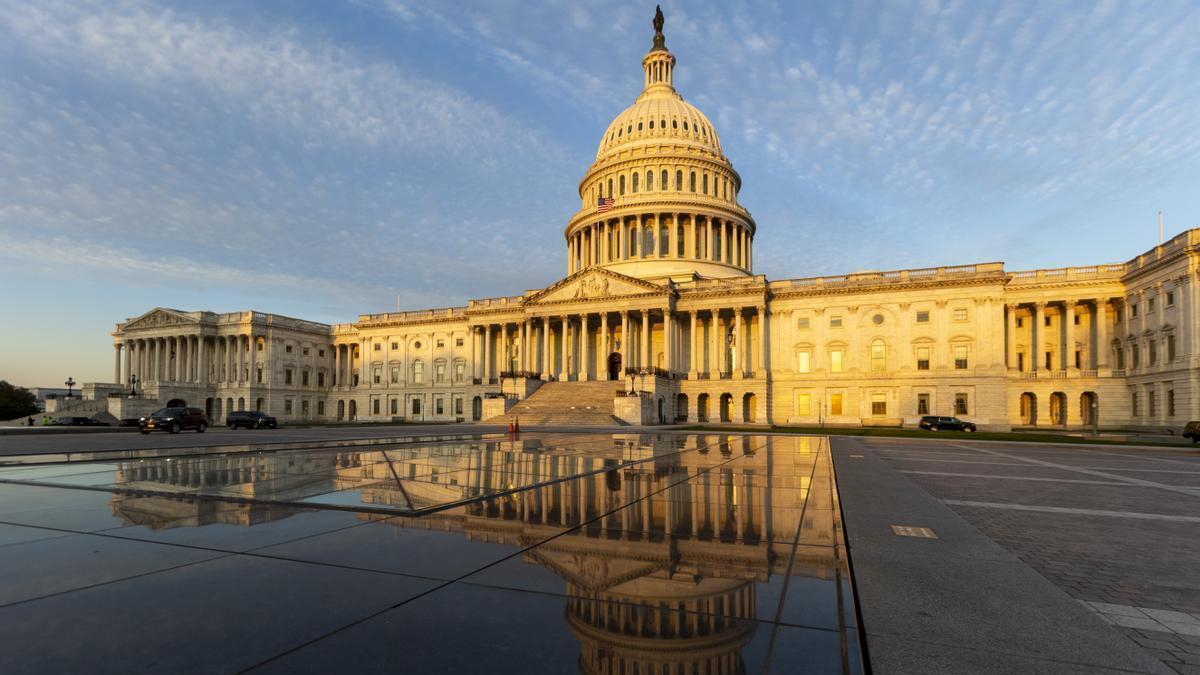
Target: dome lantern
x=659, y=63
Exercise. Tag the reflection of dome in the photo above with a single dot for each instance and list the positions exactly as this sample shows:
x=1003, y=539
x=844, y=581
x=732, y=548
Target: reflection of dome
x=661, y=199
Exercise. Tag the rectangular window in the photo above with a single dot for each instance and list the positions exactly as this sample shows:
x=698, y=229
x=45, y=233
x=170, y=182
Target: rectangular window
x=1133, y=403
x=1170, y=298
x=835, y=322
x=378, y=346
x=416, y=406
x=922, y=404
x=439, y=405
x=879, y=405
x=1046, y=320
x=802, y=323
x=1049, y=359
x=441, y=344
x=878, y=357
x=960, y=357
x=287, y=375
x=835, y=404
x=1078, y=359
x=960, y=404
x=1021, y=362
x=923, y=316
x=288, y=349
x=304, y=378
x=1153, y=352
x=375, y=406
x=1150, y=402
x=321, y=407
x=287, y=406
x=1020, y=322
x=460, y=371
x=922, y=358
x=377, y=375
x=394, y=374
x=258, y=375
x=1170, y=403
x=835, y=361
x=804, y=361
x=458, y=405
x=1133, y=311
x=304, y=351
x=304, y=407
x=458, y=342
x=395, y=405
x=1076, y=319
x=395, y=346
x=320, y=352
x=1135, y=354
x=1170, y=349
x=960, y=315
x=439, y=373
x=803, y=405
x=1150, y=304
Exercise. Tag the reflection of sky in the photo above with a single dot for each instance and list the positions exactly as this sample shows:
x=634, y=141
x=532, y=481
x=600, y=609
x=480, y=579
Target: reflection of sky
x=318, y=162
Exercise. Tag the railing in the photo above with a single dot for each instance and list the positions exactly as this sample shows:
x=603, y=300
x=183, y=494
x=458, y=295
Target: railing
x=1088, y=373
x=518, y=374
x=892, y=277
x=1058, y=274
x=415, y=315
x=1058, y=374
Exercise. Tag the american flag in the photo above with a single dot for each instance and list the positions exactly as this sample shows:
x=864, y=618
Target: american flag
x=605, y=204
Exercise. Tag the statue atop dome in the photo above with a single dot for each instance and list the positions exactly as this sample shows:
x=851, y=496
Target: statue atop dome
x=659, y=40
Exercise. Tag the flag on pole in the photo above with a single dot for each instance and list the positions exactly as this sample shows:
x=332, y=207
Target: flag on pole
x=605, y=204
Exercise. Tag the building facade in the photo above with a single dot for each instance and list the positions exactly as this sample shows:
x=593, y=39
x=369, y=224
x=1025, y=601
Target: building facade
x=661, y=297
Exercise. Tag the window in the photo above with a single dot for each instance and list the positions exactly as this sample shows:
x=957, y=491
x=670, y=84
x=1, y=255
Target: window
x=320, y=379
x=1153, y=352
x=649, y=179
x=922, y=404
x=1078, y=358
x=304, y=407
x=835, y=404
x=877, y=319
x=662, y=185
x=835, y=322
x=1076, y=319
x=439, y=372
x=439, y=405
x=378, y=346
x=704, y=183
x=923, y=358
x=394, y=406
x=304, y=378
x=418, y=372
x=395, y=346
x=803, y=361
x=458, y=342
x=960, y=357
x=1046, y=320
x=1170, y=403
x=1133, y=311
x=621, y=184
x=320, y=407
x=375, y=406
x=460, y=371
x=835, y=361
x=879, y=405
x=960, y=404
x=1049, y=360
x=1170, y=298
x=692, y=182
x=287, y=375
x=1149, y=304
x=1021, y=362
x=287, y=406
x=1133, y=403
x=377, y=375
x=1020, y=322
x=802, y=323
x=635, y=182
x=416, y=406
x=960, y=314
x=320, y=352
x=878, y=356
x=1150, y=403
x=259, y=346
x=803, y=405
x=1170, y=349
x=394, y=375
x=304, y=351
x=1135, y=354
x=258, y=375
x=679, y=180
x=458, y=402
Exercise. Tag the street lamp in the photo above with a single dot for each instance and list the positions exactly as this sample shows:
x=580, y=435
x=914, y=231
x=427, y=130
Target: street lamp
x=70, y=383
x=133, y=386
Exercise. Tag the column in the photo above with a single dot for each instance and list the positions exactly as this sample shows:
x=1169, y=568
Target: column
x=583, y=348
x=716, y=362
x=128, y=363
x=202, y=360
x=764, y=334
x=563, y=375
x=504, y=352
x=668, y=340
x=645, y=361
x=692, y=349
x=1012, y=336
x=117, y=363
x=1035, y=335
x=1068, y=356
x=1102, y=349
x=602, y=347
x=337, y=364
x=546, y=369
x=708, y=239
x=364, y=360
x=487, y=354
x=739, y=347
x=624, y=342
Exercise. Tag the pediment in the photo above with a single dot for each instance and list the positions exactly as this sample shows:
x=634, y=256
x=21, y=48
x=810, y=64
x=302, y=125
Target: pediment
x=595, y=283
x=159, y=317
x=595, y=572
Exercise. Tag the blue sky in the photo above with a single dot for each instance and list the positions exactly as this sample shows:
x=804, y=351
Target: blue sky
x=323, y=160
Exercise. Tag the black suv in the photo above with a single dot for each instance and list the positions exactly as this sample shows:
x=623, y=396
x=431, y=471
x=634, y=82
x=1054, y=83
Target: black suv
x=174, y=420
x=1192, y=431
x=935, y=423
x=251, y=419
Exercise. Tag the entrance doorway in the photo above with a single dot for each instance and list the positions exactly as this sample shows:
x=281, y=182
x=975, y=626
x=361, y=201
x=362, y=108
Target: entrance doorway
x=1029, y=408
x=1089, y=408
x=614, y=366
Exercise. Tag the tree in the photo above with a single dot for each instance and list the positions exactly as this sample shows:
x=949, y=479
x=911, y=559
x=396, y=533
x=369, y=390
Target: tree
x=16, y=401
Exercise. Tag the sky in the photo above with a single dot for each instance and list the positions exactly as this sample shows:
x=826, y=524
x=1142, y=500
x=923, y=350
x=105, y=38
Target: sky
x=328, y=159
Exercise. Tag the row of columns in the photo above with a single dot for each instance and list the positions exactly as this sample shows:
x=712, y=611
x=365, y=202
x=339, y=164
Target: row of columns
x=1066, y=340
x=344, y=372
x=644, y=236
x=194, y=359
x=715, y=342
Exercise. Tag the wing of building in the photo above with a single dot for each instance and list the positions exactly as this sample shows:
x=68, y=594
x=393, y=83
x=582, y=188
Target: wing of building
x=661, y=298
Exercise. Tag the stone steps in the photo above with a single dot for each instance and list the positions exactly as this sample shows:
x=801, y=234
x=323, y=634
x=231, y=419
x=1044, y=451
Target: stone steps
x=567, y=403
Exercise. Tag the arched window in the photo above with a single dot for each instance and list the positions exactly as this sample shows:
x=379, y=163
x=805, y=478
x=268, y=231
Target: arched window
x=685, y=125
x=679, y=240
x=633, y=242
x=663, y=184
x=639, y=126
x=418, y=372
x=648, y=242
x=705, y=182
x=664, y=240
x=649, y=181
x=635, y=181
x=717, y=243
x=621, y=183
x=692, y=182
x=651, y=124
x=610, y=192
x=674, y=124
x=679, y=181
x=878, y=356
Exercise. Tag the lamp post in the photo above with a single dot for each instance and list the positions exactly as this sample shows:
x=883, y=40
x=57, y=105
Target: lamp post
x=132, y=386
x=1095, y=417
x=70, y=383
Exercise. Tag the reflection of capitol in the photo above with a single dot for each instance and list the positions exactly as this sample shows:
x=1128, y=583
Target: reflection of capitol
x=666, y=584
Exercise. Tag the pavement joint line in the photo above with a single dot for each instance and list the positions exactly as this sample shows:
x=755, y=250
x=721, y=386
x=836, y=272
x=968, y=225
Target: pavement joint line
x=1146, y=618
x=1030, y=478
x=1082, y=512
x=1193, y=492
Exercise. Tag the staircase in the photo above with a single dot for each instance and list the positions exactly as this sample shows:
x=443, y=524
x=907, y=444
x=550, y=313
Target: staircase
x=566, y=403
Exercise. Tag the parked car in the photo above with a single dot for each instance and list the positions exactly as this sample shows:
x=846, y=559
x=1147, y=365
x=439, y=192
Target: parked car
x=174, y=420
x=251, y=419
x=1192, y=431
x=78, y=422
x=935, y=423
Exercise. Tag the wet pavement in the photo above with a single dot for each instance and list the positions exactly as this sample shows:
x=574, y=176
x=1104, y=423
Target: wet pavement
x=596, y=553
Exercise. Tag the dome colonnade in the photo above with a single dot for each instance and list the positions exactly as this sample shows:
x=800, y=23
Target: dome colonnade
x=660, y=199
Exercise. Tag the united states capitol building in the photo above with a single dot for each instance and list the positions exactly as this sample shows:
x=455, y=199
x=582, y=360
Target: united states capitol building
x=660, y=298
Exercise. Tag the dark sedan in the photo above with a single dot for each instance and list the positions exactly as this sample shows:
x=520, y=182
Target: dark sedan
x=250, y=419
x=933, y=423
x=174, y=420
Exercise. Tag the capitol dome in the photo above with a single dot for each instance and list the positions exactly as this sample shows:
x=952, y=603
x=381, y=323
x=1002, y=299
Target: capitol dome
x=660, y=199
